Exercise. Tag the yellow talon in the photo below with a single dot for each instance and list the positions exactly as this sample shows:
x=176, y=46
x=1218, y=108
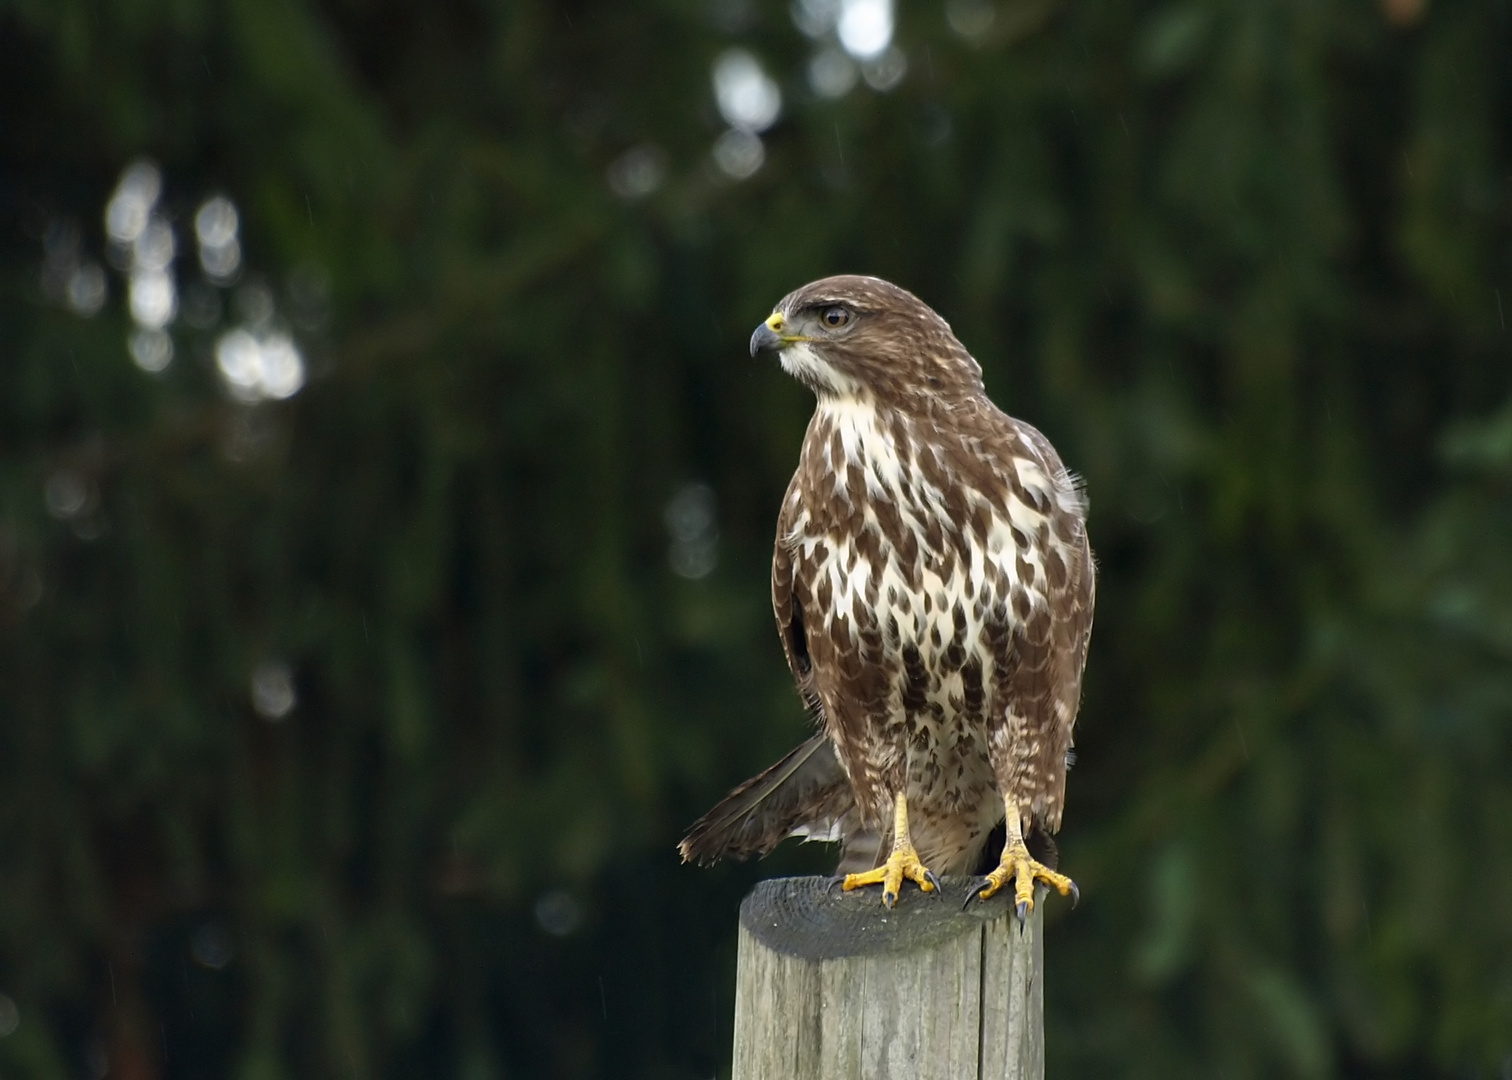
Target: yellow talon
x=1018, y=866
x=1024, y=871
x=902, y=862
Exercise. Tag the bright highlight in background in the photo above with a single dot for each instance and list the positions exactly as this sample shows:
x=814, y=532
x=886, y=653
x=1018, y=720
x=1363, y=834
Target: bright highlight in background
x=153, y=300
x=865, y=27
x=142, y=237
x=258, y=367
x=215, y=227
x=135, y=195
x=863, y=30
x=273, y=693
x=748, y=98
x=750, y=102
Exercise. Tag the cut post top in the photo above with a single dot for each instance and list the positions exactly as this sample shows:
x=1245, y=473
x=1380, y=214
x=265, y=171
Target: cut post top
x=812, y=919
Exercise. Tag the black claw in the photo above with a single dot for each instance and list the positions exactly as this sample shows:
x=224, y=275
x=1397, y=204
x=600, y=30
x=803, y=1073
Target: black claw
x=889, y=899
x=1023, y=912
x=933, y=879
x=829, y=890
x=1075, y=896
x=973, y=893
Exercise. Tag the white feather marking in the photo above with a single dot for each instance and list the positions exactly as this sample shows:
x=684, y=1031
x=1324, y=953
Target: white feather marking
x=865, y=443
x=1031, y=475
x=830, y=834
x=1024, y=517
x=804, y=364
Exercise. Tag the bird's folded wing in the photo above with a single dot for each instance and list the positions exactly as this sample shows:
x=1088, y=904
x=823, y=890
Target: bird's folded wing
x=805, y=794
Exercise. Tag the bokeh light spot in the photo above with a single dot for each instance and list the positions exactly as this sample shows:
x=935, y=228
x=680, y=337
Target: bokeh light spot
x=152, y=298
x=885, y=71
x=970, y=18
x=66, y=494
x=216, y=222
x=136, y=193
x=215, y=227
x=258, y=367
x=865, y=27
x=638, y=172
x=154, y=246
x=273, y=690
x=151, y=350
x=831, y=74
x=815, y=18
x=691, y=520
x=86, y=289
x=748, y=98
x=221, y=264
x=283, y=368
x=739, y=154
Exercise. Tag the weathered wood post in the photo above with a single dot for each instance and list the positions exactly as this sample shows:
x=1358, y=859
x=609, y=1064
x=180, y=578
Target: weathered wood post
x=837, y=987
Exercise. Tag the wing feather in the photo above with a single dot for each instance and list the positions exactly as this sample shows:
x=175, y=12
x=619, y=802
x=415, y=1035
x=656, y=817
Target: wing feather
x=805, y=794
x=787, y=602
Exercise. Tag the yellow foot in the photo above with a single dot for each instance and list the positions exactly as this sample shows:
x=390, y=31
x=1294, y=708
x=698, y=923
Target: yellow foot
x=1017, y=866
x=902, y=863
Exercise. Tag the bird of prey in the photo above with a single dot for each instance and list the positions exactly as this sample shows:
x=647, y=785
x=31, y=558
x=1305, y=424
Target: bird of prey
x=933, y=588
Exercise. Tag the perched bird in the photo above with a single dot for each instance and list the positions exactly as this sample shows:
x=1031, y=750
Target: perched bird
x=933, y=587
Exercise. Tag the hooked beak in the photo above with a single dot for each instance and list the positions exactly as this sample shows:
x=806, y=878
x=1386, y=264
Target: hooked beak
x=769, y=335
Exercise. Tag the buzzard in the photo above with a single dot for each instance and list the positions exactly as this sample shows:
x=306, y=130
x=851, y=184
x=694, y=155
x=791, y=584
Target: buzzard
x=933, y=588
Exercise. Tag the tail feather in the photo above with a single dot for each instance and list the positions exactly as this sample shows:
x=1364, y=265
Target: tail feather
x=863, y=850
x=805, y=794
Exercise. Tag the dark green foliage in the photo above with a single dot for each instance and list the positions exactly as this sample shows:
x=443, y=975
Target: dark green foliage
x=1249, y=264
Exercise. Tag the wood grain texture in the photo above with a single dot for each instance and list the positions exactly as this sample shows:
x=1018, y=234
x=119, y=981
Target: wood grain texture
x=949, y=996
x=1013, y=1036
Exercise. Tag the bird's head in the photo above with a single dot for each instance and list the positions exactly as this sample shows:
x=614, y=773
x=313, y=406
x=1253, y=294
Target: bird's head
x=862, y=337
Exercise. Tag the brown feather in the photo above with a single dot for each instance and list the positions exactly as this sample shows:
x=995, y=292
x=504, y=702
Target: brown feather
x=805, y=793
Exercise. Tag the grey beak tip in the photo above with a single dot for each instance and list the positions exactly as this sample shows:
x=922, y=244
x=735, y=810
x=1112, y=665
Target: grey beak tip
x=764, y=338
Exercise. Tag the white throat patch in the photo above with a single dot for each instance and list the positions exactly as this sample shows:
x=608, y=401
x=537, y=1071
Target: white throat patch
x=804, y=364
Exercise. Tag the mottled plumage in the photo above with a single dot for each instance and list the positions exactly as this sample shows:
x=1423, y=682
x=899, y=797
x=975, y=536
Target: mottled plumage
x=933, y=586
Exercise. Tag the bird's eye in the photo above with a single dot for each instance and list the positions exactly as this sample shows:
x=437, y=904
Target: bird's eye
x=835, y=317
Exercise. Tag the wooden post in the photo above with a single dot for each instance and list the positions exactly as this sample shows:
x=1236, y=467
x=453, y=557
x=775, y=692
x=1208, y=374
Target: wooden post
x=833, y=986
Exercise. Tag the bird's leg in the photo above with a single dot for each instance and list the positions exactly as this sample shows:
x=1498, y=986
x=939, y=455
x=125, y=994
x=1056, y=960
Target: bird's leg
x=1022, y=869
x=902, y=863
